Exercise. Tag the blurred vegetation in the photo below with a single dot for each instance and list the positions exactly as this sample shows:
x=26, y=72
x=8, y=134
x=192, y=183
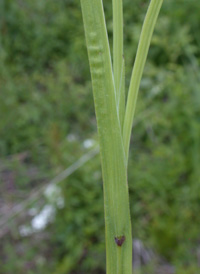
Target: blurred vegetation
x=46, y=110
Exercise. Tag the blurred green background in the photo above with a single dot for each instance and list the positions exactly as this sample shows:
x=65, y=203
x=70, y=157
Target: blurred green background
x=47, y=123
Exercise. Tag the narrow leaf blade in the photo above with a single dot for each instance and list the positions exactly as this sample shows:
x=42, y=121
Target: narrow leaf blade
x=116, y=200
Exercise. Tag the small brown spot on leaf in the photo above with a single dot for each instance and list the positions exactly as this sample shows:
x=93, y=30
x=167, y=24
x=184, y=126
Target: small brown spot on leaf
x=120, y=240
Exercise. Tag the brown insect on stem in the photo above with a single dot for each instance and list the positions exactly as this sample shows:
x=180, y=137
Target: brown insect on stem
x=120, y=240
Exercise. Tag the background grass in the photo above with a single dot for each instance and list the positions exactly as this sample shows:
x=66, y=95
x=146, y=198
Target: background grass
x=47, y=113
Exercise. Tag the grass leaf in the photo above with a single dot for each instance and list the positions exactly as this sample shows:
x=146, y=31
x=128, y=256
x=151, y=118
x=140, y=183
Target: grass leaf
x=114, y=167
x=142, y=51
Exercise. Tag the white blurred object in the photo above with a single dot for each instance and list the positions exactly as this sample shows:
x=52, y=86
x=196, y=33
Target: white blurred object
x=71, y=137
x=39, y=222
x=141, y=255
x=88, y=143
x=52, y=192
x=54, y=195
x=46, y=215
x=25, y=230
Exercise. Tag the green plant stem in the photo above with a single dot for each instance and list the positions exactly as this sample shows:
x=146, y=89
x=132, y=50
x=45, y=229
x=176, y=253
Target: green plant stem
x=142, y=51
x=114, y=166
x=118, y=59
